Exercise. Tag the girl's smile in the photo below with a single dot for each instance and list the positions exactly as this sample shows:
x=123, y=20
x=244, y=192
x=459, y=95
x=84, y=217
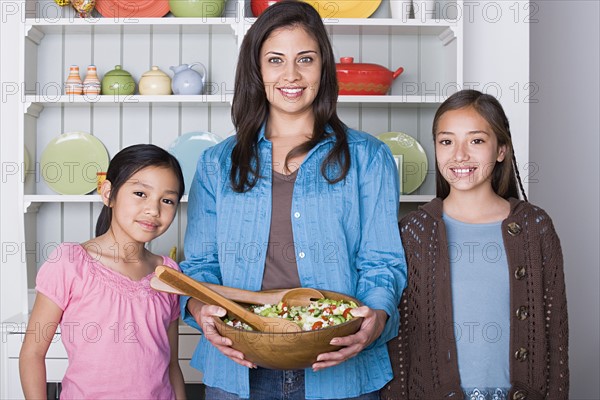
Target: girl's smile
x=149, y=226
x=463, y=172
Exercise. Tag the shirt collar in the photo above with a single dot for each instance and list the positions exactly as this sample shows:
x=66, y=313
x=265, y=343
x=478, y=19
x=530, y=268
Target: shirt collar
x=329, y=138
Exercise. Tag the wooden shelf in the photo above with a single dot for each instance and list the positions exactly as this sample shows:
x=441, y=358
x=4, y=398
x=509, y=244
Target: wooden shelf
x=394, y=99
x=50, y=100
x=219, y=100
x=130, y=25
x=33, y=201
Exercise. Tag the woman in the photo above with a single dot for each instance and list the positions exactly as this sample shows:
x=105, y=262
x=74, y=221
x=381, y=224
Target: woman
x=295, y=199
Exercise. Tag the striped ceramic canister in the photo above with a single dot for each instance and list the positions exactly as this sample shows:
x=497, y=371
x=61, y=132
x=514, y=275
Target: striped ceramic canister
x=91, y=83
x=73, y=84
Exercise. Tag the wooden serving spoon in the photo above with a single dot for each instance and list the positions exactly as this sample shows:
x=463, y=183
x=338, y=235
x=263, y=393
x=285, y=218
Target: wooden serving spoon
x=197, y=290
x=293, y=297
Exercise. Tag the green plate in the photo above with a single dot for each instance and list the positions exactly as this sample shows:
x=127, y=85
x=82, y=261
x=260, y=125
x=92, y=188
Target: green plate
x=70, y=162
x=414, y=168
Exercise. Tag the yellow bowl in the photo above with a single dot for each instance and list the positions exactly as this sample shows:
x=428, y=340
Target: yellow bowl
x=293, y=350
x=331, y=9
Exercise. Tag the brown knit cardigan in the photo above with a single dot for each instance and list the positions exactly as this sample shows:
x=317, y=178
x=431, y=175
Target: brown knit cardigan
x=424, y=356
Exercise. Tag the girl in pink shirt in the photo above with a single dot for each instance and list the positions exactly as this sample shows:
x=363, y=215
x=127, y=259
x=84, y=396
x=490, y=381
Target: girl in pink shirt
x=120, y=335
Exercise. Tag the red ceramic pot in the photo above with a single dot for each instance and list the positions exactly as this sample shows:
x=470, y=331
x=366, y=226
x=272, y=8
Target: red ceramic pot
x=258, y=6
x=364, y=79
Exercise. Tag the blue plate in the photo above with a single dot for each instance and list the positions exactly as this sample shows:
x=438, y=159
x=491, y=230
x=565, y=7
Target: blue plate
x=187, y=149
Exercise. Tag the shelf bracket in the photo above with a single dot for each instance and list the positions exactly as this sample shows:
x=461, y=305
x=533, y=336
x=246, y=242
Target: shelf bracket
x=34, y=34
x=447, y=36
x=33, y=109
x=31, y=207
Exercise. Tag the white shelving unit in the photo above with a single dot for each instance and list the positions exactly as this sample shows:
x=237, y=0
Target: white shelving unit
x=430, y=52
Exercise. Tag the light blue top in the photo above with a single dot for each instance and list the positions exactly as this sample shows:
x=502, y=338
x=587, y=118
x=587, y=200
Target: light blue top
x=346, y=239
x=480, y=302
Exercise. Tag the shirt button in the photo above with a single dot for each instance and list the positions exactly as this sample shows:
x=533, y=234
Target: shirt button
x=301, y=254
x=514, y=229
x=521, y=354
x=296, y=214
x=519, y=395
x=520, y=273
x=522, y=313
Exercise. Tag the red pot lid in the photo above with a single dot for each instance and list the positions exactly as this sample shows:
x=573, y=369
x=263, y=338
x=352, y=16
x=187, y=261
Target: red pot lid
x=132, y=8
x=348, y=64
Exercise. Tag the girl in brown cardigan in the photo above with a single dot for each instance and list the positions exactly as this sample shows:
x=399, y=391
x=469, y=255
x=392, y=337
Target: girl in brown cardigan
x=484, y=315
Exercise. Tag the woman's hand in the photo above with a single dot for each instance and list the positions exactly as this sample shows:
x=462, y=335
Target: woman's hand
x=370, y=329
x=203, y=314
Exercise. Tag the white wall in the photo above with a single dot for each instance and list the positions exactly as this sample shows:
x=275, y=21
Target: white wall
x=496, y=51
x=11, y=178
x=564, y=143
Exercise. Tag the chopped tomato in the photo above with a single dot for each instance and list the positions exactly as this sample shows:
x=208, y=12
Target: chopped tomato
x=346, y=312
x=317, y=325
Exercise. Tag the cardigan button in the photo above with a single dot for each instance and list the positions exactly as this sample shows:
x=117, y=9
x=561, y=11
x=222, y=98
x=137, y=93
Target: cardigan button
x=520, y=273
x=519, y=395
x=514, y=229
x=521, y=354
x=522, y=313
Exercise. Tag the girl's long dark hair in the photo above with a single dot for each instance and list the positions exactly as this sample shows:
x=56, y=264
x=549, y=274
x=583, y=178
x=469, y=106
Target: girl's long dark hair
x=505, y=174
x=126, y=163
x=250, y=106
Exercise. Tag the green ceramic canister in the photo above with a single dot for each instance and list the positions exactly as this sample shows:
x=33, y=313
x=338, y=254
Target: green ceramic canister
x=197, y=8
x=118, y=82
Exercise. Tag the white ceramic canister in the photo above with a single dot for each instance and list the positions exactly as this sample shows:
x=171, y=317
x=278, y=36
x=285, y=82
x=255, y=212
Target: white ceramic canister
x=155, y=82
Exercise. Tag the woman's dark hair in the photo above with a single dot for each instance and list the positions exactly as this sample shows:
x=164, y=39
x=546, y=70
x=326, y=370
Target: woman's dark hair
x=505, y=174
x=126, y=163
x=250, y=107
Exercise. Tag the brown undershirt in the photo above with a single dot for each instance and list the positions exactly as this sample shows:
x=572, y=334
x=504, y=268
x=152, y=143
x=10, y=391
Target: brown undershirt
x=281, y=271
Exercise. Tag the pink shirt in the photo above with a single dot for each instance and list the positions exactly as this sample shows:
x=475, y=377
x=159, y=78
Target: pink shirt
x=114, y=329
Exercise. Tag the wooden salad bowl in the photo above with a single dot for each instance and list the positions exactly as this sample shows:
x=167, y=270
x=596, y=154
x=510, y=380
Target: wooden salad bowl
x=289, y=350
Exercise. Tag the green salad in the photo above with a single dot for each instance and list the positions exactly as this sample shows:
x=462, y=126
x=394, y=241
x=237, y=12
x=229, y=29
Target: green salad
x=319, y=314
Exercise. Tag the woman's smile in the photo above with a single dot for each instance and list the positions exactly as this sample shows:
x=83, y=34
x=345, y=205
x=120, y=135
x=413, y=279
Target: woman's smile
x=291, y=93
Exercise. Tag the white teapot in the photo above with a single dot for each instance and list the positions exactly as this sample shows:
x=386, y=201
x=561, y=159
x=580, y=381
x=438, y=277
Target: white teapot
x=186, y=81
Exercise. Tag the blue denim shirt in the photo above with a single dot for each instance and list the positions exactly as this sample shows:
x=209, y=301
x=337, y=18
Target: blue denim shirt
x=346, y=239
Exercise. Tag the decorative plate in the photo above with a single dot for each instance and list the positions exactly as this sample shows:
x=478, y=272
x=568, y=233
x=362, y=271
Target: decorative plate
x=69, y=163
x=414, y=165
x=132, y=8
x=345, y=8
x=187, y=149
